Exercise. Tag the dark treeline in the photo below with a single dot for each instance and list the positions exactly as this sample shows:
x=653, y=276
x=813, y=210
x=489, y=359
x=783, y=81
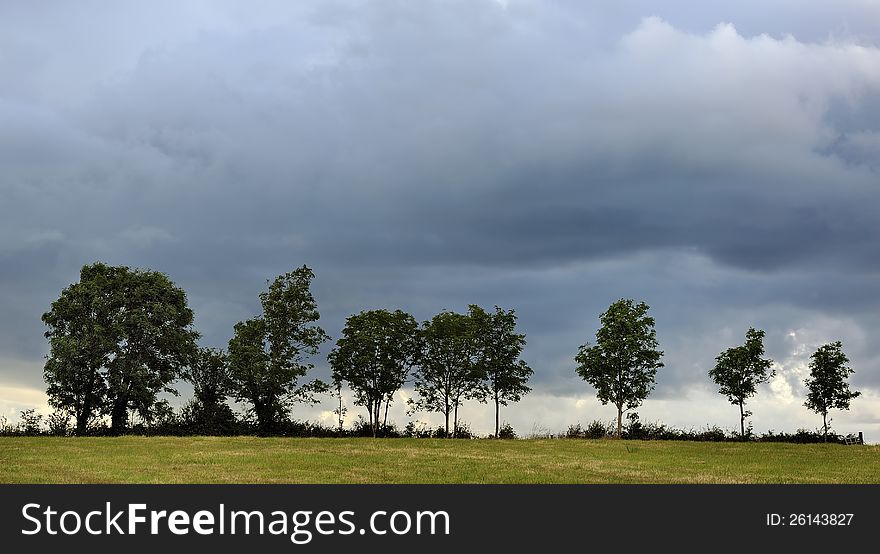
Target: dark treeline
x=121, y=337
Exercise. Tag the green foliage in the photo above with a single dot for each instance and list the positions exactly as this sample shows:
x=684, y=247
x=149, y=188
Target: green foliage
x=30, y=422
x=268, y=354
x=739, y=370
x=498, y=348
x=59, y=423
x=117, y=338
x=207, y=413
x=374, y=356
x=595, y=430
x=506, y=432
x=447, y=372
x=827, y=386
x=623, y=363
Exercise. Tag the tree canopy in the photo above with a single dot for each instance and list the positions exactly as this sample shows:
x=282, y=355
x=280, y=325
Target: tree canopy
x=269, y=354
x=117, y=338
x=827, y=386
x=623, y=363
x=375, y=354
x=447, y=372
x=739, y=370
x=497, y=351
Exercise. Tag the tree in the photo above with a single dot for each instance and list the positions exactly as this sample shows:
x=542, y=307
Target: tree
x=157, y=344
x=623, y=363
x=498, y=349
x=374, y=356
x=117, y=338
x=209, y=375
x=82, y=336
x=739, y=370
x=268, y=354
x=447, y=374
x=826, y=386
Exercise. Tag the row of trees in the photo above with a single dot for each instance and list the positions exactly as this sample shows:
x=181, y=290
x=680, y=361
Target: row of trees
x=452, y=358
x=623, y=364
x=119, y=337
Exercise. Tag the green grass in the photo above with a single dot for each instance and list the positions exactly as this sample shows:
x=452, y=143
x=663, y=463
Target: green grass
x=285, y=460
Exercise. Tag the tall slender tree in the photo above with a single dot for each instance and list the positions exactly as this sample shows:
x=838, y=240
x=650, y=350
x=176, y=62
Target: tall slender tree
x=498, y=347
x=623, y=363
x=447, y=372
x=826, y=386
x=739, y=370
x=269, y=354
x=375, y=354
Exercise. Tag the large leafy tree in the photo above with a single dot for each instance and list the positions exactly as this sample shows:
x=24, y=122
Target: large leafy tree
x=269, y=354
x=117, y=339
x=622, y=365
x=375, y=354
x=827, y=386
x=739, y=370
x=498, y=348
x=82, y=336
x=447, y=372
x=157, y=344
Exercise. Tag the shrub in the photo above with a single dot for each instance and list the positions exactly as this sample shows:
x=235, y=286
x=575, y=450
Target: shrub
x=506, y=431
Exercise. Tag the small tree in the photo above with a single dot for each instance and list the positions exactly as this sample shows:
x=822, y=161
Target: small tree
x=209, y=375
x=268, y=354
x=826, y=386
x=374, y=356
x=341, y=409
x=498, y=348
x=623, y=363
x=739, y=370
x=447, y=373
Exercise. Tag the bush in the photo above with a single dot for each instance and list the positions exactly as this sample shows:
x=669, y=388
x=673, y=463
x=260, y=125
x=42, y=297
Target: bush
x=30, y=423
x=417, y=430
x=463, y=431
x=59, y=424
x=362, y=428
x=595, y=430
x=506, y=431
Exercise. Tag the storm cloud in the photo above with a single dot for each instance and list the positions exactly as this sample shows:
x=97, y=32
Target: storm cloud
x=719, y=163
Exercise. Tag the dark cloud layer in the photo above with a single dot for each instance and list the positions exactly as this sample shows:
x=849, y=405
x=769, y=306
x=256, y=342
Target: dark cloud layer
x=720, y=163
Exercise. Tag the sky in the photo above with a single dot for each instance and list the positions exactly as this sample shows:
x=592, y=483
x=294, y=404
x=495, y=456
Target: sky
x=718, y=161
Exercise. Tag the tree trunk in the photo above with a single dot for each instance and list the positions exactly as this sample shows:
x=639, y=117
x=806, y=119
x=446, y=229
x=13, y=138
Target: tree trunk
x=448, y=409
x=82, y=422
x=385, y=419
x=497, y=411
x=340, y=411
x=825, y=426
x=119, y=416
x=619, y=420
x=455, y=422
x=376, y=418
x=742, y=422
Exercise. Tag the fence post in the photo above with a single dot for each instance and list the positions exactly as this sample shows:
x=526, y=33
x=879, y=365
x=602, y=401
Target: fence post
x=861, y=438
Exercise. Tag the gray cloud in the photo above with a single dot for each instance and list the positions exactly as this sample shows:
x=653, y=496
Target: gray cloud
x=718, y=162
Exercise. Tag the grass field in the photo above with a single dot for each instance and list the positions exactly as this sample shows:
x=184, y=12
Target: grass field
x=285, y=460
